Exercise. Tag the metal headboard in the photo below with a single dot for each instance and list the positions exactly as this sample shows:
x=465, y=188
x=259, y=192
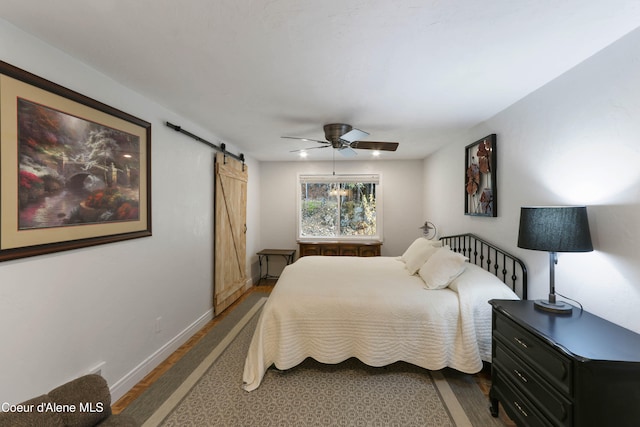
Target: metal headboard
x=508, y=268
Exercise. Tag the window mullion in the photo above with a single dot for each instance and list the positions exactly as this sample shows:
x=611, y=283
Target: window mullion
x=338, y=213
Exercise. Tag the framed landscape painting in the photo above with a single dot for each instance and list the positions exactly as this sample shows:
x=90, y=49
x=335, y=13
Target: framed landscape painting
x=480, y=189
x=75, y=172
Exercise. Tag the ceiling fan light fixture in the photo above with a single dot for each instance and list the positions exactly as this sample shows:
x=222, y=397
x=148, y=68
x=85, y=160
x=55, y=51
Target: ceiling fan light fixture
x=344, y=138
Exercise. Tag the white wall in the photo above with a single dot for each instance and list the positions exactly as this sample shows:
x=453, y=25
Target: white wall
x=64, y=313
x=574, y=141
x=402, y=198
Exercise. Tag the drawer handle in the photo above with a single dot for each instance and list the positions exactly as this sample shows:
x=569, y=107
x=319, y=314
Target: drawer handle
x=522, y=411
x=522, y=377
x=522, y=343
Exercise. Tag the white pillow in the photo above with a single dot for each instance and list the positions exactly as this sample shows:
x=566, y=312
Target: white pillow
x=481, y=285
x=418, y=245
x=418, y=257
x=478, y=277
x=413, y=247
x=441, y=268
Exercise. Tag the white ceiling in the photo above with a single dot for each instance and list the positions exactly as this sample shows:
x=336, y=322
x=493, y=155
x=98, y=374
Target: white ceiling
x=413, y=71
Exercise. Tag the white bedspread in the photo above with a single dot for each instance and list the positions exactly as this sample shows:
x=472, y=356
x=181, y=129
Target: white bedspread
x=334, y=308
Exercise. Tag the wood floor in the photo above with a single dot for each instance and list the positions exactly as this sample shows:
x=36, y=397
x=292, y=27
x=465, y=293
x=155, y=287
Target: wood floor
x=483, y=379
x=139, y=388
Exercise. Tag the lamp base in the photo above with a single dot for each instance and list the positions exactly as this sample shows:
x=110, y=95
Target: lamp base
x=554, y=307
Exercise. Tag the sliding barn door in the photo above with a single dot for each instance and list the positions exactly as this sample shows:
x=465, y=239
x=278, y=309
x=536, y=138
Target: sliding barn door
x=230, y=275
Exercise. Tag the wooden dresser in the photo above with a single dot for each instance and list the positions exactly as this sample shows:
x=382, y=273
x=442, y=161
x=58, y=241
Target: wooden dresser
x=340, y=248
x=563, y=370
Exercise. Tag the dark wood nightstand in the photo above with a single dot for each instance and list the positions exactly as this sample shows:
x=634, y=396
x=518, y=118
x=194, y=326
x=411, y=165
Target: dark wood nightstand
x=563, y=370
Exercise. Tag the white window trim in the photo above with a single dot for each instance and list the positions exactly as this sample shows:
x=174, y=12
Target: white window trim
x=371, y=177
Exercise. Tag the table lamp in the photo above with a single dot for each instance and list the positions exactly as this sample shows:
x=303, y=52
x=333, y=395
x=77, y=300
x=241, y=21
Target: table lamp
x=554, y=229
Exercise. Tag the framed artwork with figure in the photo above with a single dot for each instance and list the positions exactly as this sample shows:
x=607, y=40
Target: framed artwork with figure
x=480, y=189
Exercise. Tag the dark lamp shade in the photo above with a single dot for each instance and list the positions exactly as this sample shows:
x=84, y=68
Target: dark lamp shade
x=555, y=229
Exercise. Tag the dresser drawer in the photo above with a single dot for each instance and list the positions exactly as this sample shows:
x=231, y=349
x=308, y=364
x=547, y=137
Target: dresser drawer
x=369, y=250
x=348, y=250
x=310, y=250
x=533, y=387
x=519, y=408
x=552, y=366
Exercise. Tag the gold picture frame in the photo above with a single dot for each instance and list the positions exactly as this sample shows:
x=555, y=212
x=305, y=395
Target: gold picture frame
x=74, y=171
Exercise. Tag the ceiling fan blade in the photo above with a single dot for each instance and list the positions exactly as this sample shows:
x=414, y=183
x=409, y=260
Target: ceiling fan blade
x=347, y=151
x=306, y=139
x=375, y=145
x=354, y=135
x=305, y=149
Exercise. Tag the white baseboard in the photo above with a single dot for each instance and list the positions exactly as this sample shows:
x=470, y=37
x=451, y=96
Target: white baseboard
x=126, y=383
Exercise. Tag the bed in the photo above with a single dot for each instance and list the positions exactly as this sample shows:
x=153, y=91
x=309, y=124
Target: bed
x=427, y=307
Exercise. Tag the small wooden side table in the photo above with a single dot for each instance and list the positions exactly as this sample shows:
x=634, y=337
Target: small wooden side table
x=288, y=254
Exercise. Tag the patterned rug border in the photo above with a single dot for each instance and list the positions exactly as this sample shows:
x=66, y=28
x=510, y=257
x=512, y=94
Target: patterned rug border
x=165, y=409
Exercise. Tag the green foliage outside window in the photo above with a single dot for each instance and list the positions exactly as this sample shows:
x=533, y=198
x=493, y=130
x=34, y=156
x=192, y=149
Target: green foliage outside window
x=335, y=209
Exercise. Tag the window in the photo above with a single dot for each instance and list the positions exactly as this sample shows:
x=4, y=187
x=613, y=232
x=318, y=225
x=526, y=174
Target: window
x=343, y=207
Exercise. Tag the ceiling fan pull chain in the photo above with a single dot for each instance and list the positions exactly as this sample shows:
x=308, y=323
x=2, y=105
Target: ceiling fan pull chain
x=333, y=153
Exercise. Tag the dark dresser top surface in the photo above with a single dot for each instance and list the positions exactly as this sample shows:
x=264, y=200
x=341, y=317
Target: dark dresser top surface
x=582, y=334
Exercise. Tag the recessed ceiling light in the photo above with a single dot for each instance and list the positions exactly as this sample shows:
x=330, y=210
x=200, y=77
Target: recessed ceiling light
x=303, y=154
x=375, y=153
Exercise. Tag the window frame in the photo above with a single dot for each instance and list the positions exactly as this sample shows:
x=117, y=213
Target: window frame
x=375, y=178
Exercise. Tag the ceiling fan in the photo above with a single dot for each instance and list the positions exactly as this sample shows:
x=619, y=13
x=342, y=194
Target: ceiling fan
x=345, y=138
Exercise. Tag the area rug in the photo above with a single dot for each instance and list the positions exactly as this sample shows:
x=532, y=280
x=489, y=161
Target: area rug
x=314, y=394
